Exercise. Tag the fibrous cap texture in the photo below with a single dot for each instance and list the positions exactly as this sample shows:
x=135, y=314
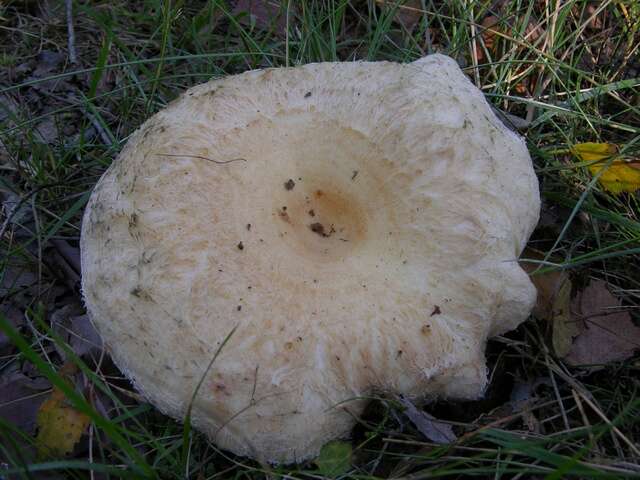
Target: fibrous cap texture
x=357, y=224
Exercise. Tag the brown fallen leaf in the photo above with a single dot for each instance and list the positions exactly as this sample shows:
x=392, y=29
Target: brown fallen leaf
x=21, y=397
x=553, y=303
x=408, y=13
x=84, y=340
x=547, y=284
x=75, y=328
x=607, y=333
x=494, y=27
x=60, y=425
x=264, y=14
x=488, y=29
x=565, y=327
x=595, y=20
x=550, y=301
x=491, y=30
x=15, y=317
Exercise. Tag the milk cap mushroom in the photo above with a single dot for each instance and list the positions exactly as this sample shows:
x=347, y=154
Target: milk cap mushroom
x=358, y=224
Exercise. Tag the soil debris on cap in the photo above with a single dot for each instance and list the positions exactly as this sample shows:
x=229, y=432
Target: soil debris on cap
x=319, y=229
x=289, y=184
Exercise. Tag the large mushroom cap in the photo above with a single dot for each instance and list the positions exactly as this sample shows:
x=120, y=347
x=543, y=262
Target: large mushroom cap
x=358, y=222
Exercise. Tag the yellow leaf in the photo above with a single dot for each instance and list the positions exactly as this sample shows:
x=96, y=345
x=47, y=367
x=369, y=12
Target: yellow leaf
x=60, y=426
x=619, y=175
x=593, y=152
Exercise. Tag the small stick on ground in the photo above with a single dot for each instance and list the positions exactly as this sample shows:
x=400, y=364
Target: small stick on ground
x=71, y=36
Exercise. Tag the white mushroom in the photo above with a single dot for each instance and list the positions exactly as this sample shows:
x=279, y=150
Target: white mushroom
x=359, y=223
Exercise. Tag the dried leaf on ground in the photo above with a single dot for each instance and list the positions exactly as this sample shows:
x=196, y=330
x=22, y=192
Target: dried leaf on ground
x=47, y=131
x=15, y=210
x=408, y=13
x=547, y=284
x=70, y=253
x=608, y=334
x=21, y=288
x=264, y=14
x=494, y=27
x=8, y=108
x=15, y=317
x=619, y=175
x=47, y=61
x=84, y=339
x=565, y=326
x=64, y=259
x=46, y=64
x=595, y=20
x=488, y=29
x=521, y=399
x=20, y=398
x=76, y=330
x=428, y=425
x=553, y=303
x=60, y=425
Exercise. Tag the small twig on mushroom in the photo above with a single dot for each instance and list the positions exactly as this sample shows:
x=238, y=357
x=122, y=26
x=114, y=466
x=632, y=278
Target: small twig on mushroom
x=203, y=158
x=71, y=36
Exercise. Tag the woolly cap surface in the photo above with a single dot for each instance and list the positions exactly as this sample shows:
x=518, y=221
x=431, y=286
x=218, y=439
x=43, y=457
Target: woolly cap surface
x=359, y=223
